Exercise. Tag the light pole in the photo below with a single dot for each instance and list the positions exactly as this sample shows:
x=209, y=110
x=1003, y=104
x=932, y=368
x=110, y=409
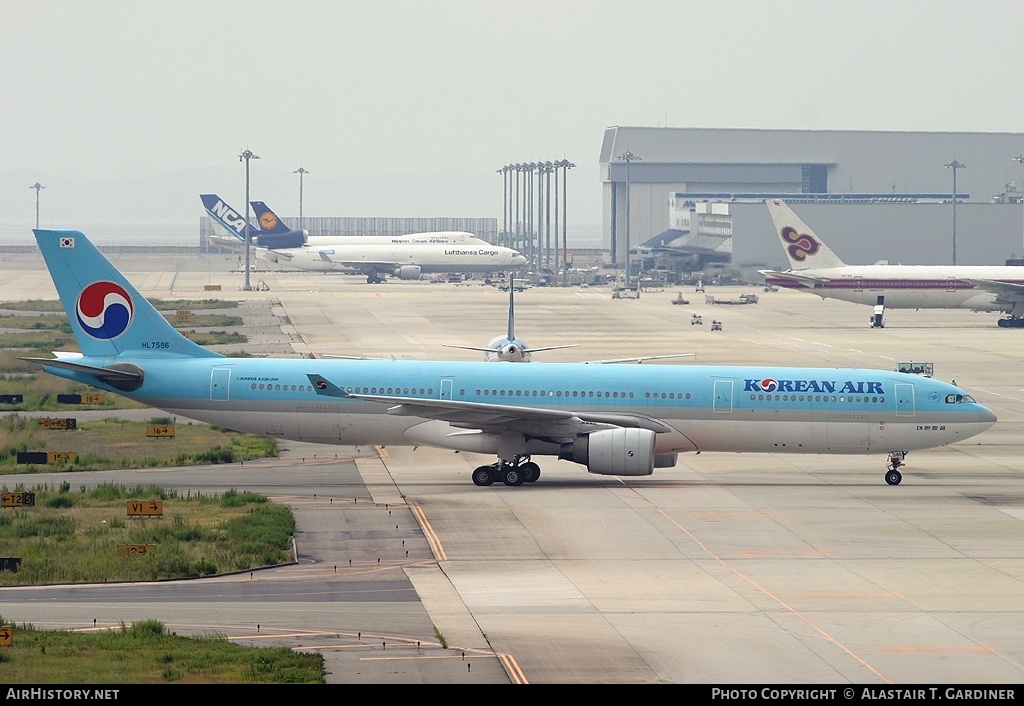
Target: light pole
x=506, y=206
x=301, y=172
x=566, y=166
x=246, y=156
x=546, y=170
x=1019, y=159
x=37, y=186
x=954, y=165
x=628, y=157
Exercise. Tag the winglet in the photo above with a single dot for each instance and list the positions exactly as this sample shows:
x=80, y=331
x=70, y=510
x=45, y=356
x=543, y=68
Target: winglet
x=326, y=388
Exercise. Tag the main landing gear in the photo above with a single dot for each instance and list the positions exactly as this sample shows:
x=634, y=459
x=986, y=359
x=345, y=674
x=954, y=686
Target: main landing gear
x=374, y=278
x=892, y=474
x=515, y=473
x=1012, y=322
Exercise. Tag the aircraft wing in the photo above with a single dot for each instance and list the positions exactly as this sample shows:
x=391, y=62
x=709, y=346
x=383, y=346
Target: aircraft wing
x=1007, y=291
x=365, y=266
x=485, y=349
x=536, y=421
x=640, y=359
x=482, y=349
x=552, y=348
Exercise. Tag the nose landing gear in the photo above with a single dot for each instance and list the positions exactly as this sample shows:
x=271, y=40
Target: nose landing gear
x=892, y=474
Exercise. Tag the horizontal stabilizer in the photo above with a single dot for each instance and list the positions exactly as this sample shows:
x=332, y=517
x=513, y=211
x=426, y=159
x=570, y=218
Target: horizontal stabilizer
x=123, y=376
x=797, y=277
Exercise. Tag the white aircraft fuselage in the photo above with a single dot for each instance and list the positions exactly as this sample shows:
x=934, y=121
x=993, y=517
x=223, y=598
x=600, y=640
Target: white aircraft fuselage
x=905, y=286
x=406, y=258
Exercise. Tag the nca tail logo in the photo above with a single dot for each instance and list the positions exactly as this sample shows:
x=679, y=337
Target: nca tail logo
x=227, y=216
x=104, y=310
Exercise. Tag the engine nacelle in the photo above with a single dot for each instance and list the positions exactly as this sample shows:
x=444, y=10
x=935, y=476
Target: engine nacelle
x=666, y=460
x=614, y=452
x=408, y=272
x=281, y=241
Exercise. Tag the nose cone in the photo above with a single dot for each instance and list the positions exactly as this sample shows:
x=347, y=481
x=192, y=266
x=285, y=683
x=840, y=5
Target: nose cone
x=986, y=416
x=518, y=259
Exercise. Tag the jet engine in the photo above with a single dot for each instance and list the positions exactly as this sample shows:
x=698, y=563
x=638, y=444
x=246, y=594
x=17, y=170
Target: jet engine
x=408, y=272
x=613, y=452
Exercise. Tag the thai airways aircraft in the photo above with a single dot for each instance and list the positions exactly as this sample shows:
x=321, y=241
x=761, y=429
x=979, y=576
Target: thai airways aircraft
x=271, y=234
x=817, y=270
x=615, y=420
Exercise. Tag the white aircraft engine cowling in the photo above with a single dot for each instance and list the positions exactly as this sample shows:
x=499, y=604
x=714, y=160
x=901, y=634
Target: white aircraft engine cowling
x=614, y=452
x=408, y=272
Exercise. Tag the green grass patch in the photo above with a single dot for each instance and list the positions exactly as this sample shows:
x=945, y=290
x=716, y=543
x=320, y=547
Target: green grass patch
x=73, y=536
x=146, y=653
x=107, y=444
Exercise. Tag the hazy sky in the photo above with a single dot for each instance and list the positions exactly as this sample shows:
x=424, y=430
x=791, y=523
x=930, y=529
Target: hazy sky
x=407, y=108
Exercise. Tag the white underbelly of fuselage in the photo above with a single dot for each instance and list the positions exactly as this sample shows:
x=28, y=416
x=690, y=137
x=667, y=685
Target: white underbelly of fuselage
x=973, y=300
x=723, y=433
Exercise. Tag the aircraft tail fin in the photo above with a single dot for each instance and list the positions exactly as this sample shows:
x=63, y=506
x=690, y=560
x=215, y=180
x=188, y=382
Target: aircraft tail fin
x=267, y=219
x=107, y=314
x=804, y=249
x=226, y=217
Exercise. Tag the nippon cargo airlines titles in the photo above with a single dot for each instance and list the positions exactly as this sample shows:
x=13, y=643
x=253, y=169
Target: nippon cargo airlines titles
x=610, y=419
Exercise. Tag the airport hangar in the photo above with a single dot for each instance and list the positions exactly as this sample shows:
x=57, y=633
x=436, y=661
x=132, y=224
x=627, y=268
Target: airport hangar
x=870, y=195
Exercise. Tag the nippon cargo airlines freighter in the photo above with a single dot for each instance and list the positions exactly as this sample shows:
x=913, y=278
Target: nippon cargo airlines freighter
x=614, y=420
x=815, y=269
x=403, y=256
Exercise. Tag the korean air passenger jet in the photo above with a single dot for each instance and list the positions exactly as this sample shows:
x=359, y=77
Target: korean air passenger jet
x=614, y=420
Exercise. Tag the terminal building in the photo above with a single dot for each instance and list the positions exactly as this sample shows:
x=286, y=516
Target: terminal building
x=872, y=196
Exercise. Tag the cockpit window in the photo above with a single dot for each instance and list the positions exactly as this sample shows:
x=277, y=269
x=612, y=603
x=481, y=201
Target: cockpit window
x=959, y=399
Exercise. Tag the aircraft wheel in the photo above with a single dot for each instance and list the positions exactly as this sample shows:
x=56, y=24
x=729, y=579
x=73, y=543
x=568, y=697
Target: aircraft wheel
x=1004, y=323
x=893, y=477
x=483, y=476
x=513, y=476
x=530, y=471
